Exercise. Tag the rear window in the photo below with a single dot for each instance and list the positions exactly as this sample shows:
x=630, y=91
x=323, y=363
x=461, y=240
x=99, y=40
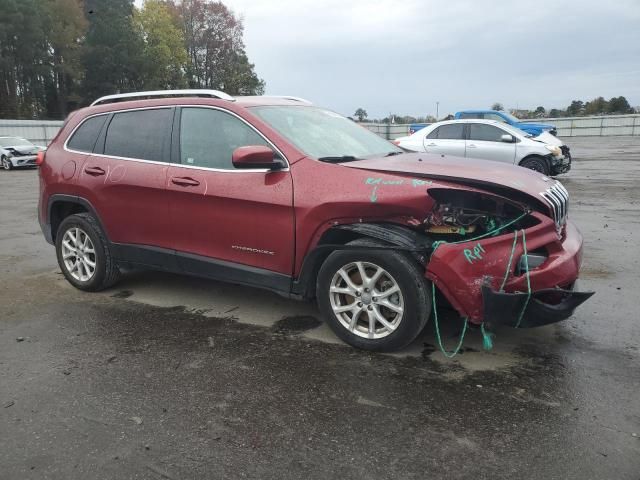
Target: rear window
x=470, y=115
x=140, y=134
x=85, y=137
x=451, y=132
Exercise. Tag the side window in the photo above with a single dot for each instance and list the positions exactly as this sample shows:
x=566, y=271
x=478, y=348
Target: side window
x=85, y=137
x=494, y=116
x=434, y=133
x=140, y=134
x=470, y=115
x=451, y=132
x=208, y=137
x=486, y=133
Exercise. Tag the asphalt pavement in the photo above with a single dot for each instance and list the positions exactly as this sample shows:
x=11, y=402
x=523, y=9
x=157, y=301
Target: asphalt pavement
x=171, y=377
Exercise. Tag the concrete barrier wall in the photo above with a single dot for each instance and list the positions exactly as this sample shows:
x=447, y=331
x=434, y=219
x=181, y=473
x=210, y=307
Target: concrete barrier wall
x=40, y=132
x=604, y=126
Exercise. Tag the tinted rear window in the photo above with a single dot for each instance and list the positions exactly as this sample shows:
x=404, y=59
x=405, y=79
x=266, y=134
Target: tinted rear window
x=451, y=132
x=85, y=137
x=139, y=134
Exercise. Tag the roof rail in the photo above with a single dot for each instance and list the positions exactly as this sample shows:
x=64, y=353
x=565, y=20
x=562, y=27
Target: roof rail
x=289, y=97
x=164, y=93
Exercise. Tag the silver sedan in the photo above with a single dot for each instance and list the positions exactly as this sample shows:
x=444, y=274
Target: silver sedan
x=490, y=140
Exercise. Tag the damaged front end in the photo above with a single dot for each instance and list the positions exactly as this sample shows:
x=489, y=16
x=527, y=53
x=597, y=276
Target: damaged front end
x=502, y=262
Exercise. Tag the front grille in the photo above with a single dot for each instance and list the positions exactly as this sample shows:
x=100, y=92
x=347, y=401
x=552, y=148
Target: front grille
x=558, y=199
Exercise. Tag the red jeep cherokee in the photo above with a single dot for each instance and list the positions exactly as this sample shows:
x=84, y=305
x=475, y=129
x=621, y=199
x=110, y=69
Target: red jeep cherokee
x=276, y=193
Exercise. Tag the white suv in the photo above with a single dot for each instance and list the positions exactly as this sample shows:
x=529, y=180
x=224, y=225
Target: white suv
x=489, y=140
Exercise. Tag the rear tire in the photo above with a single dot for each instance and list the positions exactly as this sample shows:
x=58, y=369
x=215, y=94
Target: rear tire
x=537, y=164
x=84, y=255
x=377, y=320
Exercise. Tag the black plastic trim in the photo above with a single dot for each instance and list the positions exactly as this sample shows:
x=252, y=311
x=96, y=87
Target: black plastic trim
x=59, y=197
x=398, y=238
x=234, y=273
x=185, y=263
x=502, y=308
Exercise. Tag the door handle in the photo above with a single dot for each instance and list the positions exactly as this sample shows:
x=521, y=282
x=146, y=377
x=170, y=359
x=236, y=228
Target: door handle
x=431, y=145
x=472, y=146
x=94, y=171
x=185, y=181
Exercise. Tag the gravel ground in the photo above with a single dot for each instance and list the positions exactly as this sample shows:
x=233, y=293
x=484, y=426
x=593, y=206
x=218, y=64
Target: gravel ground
x=171, y=377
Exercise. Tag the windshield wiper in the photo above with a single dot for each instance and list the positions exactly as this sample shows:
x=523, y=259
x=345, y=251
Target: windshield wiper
x=338, y=159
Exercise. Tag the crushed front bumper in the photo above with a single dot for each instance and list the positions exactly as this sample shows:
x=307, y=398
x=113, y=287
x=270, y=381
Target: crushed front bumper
x=470, y=274
x=520, y=310
x=23, y=161
x=558, y=165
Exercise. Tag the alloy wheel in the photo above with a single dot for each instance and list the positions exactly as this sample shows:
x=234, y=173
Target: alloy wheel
x=78, y=254
x=366, y=300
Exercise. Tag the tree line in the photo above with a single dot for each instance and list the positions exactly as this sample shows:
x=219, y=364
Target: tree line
x=361, y=116
x=578, y=108
x=58, y=55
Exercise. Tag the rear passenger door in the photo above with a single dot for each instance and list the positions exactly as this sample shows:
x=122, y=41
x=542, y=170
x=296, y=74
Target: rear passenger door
x=447, y=140
x=485, y=142
x=125, y=178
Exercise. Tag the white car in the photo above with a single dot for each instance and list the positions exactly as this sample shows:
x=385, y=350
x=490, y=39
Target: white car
x=18, y=152
x=490, y=140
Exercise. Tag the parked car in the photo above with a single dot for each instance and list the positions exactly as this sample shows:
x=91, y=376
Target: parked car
x=489, y=140
x=532, y=128
x=277, y=193
x=16, y=152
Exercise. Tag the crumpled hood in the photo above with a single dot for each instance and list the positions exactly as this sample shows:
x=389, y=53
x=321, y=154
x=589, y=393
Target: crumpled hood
x=484, y=174
x=23, y=149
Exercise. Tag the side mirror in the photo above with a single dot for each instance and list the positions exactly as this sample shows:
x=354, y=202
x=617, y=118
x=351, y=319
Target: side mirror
x=256, y=156
x=506, y=138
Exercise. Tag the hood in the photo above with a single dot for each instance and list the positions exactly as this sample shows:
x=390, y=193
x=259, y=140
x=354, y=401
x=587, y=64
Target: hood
x=23, y=149
x=506, y=180
x=546, y=137
x=543, y=126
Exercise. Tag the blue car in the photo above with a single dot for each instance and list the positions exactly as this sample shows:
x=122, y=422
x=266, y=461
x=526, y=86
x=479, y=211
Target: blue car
x=532, y=128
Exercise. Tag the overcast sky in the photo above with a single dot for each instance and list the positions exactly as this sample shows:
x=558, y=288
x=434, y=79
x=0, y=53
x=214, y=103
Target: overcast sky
x=403, y=56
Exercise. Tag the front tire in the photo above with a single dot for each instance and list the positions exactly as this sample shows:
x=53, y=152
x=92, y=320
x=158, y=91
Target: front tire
x=373, y=299
x=537, y=164
x=6, y=163
x=84, y=255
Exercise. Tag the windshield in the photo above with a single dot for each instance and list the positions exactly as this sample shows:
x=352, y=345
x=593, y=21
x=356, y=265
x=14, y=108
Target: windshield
x=323, y=134
x=14, y=142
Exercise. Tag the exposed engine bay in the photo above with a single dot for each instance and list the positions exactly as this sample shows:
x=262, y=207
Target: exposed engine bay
x=460, y=213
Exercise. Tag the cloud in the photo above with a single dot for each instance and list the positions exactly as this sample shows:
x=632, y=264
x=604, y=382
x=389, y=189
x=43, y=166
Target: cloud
x=403, y=56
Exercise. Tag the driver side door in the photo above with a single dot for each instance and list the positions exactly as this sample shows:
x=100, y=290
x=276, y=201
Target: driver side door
x=235, y=224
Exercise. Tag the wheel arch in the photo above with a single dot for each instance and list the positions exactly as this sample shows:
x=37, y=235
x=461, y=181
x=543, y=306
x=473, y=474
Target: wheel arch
x=535, y=155
x=337, y=238
x=61, y=206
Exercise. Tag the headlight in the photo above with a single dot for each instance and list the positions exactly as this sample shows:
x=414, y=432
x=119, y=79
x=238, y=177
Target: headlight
x=554, y=149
